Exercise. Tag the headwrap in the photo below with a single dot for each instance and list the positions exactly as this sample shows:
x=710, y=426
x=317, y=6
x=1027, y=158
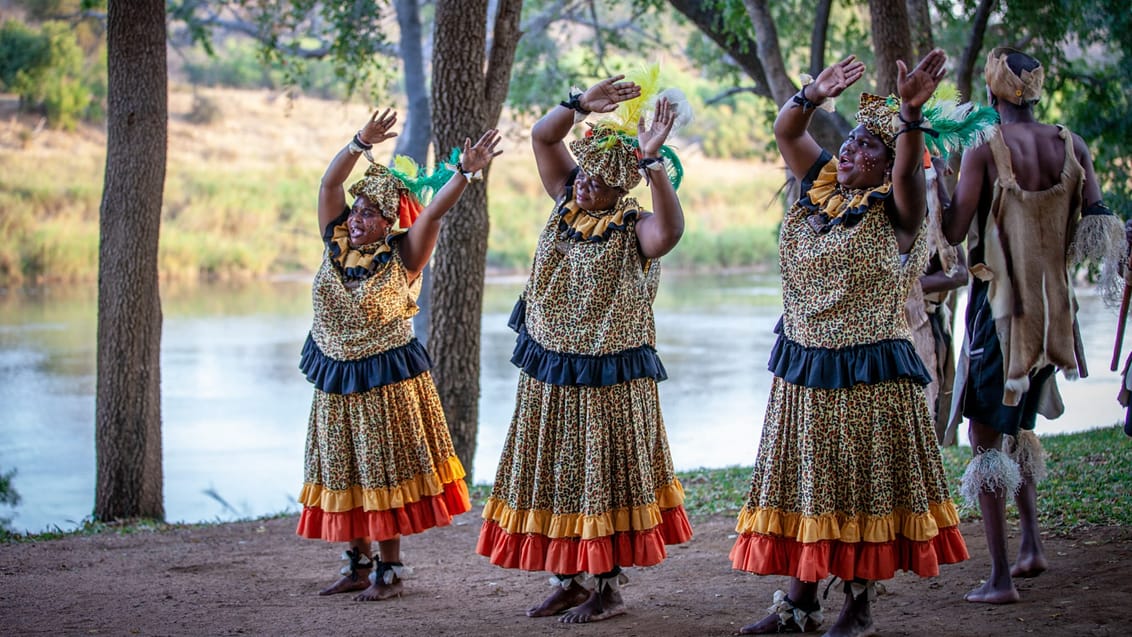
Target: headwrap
x=880, y=116
x=1024, y=88
x=610, y=148
x=604, y=152
x=948, y=125
x=397, y=190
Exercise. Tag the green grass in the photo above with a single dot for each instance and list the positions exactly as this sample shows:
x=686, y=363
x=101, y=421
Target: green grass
x=1089, y=485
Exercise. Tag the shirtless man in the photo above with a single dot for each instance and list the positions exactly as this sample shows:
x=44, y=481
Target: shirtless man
x=1030, y=191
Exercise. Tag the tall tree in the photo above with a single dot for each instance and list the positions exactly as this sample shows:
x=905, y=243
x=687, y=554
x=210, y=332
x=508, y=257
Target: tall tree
x=892, y=41
x=128, y=396
x=469, y=85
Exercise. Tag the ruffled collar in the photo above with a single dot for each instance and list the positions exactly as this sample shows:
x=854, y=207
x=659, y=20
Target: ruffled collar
x=594, y=225
x=356, y=263
x=833, y=204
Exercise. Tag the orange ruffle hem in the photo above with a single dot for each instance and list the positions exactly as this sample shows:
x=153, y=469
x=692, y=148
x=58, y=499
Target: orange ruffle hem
x=854, y=556
x=535, y=552
x=413, y=517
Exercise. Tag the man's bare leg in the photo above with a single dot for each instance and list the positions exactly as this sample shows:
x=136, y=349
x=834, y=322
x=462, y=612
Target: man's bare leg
x=379, y=589
x=355, y=576
x=802, y=595
x=1031, y=556
x=999, y=587
x=563, y=597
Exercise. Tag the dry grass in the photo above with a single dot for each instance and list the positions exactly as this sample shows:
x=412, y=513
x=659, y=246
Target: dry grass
x=241, y=190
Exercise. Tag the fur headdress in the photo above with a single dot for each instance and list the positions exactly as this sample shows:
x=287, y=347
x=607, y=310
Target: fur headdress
x=1023, y=88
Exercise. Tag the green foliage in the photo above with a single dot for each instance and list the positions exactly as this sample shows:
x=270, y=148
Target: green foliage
x=50, y=72
x=325, y=48
x=8, y=497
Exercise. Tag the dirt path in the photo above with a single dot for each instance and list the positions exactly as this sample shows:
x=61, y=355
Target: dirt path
x=258, y=578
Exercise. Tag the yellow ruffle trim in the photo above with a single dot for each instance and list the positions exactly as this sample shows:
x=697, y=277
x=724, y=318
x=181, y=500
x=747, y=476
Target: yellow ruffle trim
x=919, y=527
x=833, y=200
x=586, y=527
x=586, y=224
x=364, y=257
x=412, y=490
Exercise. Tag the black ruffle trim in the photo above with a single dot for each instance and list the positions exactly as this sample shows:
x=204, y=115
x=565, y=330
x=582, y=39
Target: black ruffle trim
x=851, y=216
x=824, y=368
x=351, y=377
x=563, y=369
x=565, y=231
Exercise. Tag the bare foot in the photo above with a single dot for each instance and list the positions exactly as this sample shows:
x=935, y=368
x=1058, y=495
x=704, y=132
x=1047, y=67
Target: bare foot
x=852, y=629
x=380, y=591
x=987, y=594
x=599, y=606
x=772, y=624
x=561, y=599
x=348, y=583
x=1031, y=565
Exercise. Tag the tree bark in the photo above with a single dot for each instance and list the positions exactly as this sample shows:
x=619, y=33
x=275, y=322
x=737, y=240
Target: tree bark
x=469, y=85
x=892, y=40
x=920, y=24
x=828, y=129
x=128, y=393
x=818, y=36
x=965, y=71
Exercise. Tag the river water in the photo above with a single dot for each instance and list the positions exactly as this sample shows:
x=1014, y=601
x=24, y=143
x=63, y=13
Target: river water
x=235, y=407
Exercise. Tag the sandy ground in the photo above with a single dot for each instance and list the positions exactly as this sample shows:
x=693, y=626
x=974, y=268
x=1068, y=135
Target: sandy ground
x=258, y=578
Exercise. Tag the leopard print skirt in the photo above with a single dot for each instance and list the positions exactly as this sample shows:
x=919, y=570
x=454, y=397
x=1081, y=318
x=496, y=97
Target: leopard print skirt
x=849, y=482
x=585, y=482
x=380, y=464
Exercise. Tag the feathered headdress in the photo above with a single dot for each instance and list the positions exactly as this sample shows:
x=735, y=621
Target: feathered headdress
x=610, y=147
x=948, y=126
x=399, y=189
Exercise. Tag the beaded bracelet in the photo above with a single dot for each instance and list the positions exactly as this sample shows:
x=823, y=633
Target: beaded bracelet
x=648, y=164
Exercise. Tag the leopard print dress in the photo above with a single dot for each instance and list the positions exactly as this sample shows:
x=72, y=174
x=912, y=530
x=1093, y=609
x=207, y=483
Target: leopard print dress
x=848, y=479
x=585, y=482
x=379, y=460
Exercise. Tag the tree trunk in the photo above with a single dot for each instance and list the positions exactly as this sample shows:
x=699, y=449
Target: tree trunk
x=920, y=25
x=892, y=40
x=467, y=101
x=417, y=132
x=818, y=36
x=128, y=394
x=965, y=69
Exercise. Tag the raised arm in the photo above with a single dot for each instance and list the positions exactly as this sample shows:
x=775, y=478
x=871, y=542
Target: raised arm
x=798, y=148
x=659, y=232
x=958, y=214
x=331, y=194
x=418, y=243
x=908, y=189
x=551, y=155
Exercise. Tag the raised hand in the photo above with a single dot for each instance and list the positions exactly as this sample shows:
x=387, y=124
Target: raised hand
x=476, y=157
x=916, y=88
x=834, y=79
x=652, y=138
x=376, y=129
x=604, y=96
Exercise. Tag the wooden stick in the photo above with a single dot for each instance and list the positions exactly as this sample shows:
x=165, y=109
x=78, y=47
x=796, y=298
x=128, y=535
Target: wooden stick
x=1122, y=318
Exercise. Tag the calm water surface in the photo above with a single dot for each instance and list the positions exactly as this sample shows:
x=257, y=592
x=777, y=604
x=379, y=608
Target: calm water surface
x=235, y=407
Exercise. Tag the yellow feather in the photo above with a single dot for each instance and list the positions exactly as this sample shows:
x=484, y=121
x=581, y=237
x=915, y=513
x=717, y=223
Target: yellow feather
x=406, y=166
x=627, y=114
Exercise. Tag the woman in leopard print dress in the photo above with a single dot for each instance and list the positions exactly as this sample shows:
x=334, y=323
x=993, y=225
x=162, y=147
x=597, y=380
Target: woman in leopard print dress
x=379, y=461
x=585, y=485
x=848, y=479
